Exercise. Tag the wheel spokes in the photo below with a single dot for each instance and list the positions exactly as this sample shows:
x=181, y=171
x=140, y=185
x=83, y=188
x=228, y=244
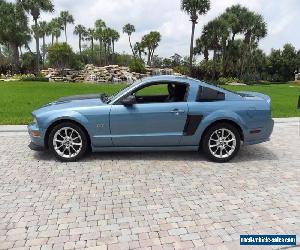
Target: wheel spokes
x=222, y=143
x=67, y=142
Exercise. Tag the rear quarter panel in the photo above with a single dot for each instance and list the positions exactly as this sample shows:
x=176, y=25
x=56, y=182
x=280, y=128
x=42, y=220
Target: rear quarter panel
x=248, y=115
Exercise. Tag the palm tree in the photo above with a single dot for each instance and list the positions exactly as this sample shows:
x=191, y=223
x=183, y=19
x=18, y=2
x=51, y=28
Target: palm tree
x=139, y=49
x=44, y=31
x=99, y=26
x=115, y=36
x=214, y=37
x=80, y=30
x=107, y=39
x=194, y=8
x=14, y=31
x=35, y=7
x=129, y=29
x=90, y=36
x=151, y=41
x=66, y=18
x=55, y=27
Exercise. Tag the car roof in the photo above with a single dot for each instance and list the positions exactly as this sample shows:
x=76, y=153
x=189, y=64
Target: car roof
x=178, y=79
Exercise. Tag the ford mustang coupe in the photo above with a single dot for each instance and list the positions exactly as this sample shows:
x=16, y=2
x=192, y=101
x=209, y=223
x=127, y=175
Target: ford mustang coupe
x=156, y=113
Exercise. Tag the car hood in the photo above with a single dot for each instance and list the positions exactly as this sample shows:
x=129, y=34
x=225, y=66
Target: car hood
x=72, y=102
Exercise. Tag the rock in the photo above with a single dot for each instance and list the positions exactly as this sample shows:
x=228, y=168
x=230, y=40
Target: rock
x=94, y=74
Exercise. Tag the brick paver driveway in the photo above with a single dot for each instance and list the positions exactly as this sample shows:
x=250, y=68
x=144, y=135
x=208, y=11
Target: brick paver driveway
x=148, y=200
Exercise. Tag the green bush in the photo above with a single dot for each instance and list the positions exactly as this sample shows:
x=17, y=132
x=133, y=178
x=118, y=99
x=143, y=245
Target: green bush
x=184, y=70
x=61, y=55
x=137, y=66
x=34, y=79
x=227, y=80
x=250, y=78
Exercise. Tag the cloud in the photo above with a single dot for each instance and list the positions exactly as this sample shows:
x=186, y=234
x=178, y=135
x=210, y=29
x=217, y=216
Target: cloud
x=174, y=25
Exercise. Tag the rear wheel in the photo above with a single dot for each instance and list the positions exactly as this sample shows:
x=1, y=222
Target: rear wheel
x=221, y=142
x=68, y=142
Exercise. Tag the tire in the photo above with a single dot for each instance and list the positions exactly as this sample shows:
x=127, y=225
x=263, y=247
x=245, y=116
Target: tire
x=68, y=142
x=220, y=148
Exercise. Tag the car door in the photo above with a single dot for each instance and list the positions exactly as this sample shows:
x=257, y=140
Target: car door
x=148, y=124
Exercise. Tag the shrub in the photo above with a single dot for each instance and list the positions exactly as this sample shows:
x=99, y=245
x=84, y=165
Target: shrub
x=34, y=79
x=227, y=80
x=137, y=66
x=250, y=78
x=60, y=55
x=184, y=70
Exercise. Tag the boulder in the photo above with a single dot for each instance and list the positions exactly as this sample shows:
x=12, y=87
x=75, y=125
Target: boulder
x=94, y=74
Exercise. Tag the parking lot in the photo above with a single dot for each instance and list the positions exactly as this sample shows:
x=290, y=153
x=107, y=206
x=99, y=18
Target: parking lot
x=159, y=200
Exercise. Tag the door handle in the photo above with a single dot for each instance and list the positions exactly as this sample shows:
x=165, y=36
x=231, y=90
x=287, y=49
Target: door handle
x=177, y=111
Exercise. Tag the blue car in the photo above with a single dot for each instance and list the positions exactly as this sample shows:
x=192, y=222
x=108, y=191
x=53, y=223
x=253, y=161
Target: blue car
x=156, y=113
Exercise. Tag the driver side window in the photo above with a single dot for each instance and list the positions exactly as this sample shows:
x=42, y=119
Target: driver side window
x=161, y=93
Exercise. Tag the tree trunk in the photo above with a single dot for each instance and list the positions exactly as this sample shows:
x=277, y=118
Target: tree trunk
x=14, y=57
x=80, y=43
x=52, y=41
x=149, y=57
x=113, y=52
x=192, y=46
x=66, y=33
x=131, y=46
x=92, y=44
x=100, y=51
x=37, y=43
x=214, y=66
x=44, y=50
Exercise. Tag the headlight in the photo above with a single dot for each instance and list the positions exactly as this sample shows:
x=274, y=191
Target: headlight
x=34, y=120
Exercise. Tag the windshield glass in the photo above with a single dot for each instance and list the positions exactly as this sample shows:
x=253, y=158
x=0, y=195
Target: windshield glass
x=122, y=91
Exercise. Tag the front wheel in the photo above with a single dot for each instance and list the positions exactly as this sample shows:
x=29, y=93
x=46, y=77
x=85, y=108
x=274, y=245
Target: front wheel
x=68, y=142
x=221, y=142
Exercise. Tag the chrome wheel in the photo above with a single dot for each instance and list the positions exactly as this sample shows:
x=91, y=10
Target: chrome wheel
x=67, y=142
x=222, y=143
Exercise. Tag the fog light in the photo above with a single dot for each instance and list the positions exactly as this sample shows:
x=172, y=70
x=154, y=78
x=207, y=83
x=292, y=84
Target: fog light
x=35, y=133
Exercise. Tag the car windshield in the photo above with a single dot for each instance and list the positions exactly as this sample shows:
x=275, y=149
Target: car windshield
x=121, y=92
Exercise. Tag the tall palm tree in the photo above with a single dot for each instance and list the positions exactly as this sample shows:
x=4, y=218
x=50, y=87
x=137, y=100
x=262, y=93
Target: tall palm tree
x=55, y=27
x=194, y=8
x=129, y=29
x=80, y=30
x=90, y=36
x=35, y=7
x=151, y=41
x=14, y=31
x=99, y=26
x=66, y=18
x=139, y=49
x=107, y=39
x=44, y=31
x=115, y=36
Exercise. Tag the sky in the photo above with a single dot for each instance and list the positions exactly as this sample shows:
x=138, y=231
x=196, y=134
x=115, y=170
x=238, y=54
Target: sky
x=165, y=16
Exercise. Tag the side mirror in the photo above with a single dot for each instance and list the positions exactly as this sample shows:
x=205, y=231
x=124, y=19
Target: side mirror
x=129, y=100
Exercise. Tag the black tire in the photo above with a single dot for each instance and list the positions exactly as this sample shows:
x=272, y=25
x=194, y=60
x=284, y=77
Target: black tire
x=214, y=131
x=82, y=136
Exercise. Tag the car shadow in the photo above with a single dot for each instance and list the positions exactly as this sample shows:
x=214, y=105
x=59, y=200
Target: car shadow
x=246, y=154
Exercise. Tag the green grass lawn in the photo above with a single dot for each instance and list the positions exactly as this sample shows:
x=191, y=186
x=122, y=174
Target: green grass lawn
x=18, y=99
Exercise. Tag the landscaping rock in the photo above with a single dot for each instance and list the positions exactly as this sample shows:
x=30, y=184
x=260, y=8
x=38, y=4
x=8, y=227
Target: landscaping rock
x=94, y=74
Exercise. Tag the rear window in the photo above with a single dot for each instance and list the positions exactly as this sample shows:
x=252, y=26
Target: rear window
x=206, y=94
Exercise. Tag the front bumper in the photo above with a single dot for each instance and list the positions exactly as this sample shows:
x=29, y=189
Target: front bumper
x=36, y=136
x=35, y=147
